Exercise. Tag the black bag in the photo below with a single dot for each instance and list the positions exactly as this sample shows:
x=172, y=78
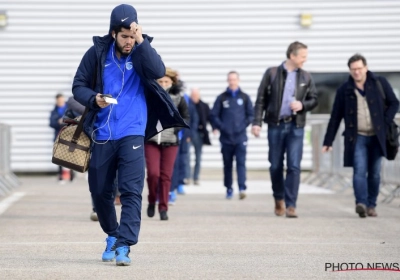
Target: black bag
x=392, y=132
x=392, y=141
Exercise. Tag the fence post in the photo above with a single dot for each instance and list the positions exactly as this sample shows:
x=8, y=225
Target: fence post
x=8, y=180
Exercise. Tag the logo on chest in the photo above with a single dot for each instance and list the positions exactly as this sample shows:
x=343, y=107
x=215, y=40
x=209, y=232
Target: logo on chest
x=129, y=65
x=225, y=104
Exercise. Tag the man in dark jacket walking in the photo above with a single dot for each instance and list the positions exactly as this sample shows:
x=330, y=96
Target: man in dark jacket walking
x=56, y=115
x=368, y=105
x=56, y=122
x=200, y=116
x=125, y=66
x=231, y=115
x=285, y=95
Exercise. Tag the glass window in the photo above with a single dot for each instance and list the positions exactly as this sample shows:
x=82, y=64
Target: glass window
x=328, y=83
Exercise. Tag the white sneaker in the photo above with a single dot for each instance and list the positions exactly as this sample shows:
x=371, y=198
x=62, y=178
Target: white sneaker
x=242, y=194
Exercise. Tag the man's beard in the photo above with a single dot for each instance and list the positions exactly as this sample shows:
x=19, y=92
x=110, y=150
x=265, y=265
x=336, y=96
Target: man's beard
x=121, y=50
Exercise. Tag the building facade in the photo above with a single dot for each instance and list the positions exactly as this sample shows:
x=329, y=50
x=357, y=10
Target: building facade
x=43, y=42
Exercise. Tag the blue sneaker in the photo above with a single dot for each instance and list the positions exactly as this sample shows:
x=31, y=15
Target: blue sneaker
x=109, y=252
x=181, y=190
x=172, y=198
x=229, y=193
x=122, y=256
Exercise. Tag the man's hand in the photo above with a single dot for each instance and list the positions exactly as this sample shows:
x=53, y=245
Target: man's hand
x=255, y=130
x=101, y=102
x=296, y=106
x=137, y=32
x=326, y=149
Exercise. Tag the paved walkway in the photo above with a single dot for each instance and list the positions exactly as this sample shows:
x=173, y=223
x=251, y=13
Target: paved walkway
x=45, y=233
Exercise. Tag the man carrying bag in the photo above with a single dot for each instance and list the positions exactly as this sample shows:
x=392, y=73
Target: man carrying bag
x=366, y=116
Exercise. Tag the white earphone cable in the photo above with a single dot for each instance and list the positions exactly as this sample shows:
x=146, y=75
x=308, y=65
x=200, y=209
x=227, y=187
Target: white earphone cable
x=112, y=105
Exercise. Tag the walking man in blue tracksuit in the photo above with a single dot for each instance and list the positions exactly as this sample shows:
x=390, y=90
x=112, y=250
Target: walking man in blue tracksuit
x=231, y=114
x=125, y=66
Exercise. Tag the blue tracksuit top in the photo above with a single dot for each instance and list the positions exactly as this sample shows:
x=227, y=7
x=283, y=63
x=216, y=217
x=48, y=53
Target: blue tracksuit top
x=231, y=114
x=129, y=116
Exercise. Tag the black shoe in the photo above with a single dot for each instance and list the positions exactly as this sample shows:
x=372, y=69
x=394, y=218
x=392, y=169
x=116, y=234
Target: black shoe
x=151, y=210
x=361, y=210
x=163, y=216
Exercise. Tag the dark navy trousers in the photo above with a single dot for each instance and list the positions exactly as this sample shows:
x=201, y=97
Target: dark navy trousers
x=127, y=156
x=229, y=152
x=178, y=176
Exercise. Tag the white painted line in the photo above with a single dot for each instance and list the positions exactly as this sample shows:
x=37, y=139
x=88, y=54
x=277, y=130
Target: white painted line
x=194, y=243
x=6, y=203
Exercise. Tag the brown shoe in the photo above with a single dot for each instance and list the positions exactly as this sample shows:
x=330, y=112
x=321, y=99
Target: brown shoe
x=279, y=207
x=371, y=212
x=291, y=212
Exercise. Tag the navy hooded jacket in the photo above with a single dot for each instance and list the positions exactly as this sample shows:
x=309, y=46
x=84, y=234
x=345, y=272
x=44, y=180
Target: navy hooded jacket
x=148, y=65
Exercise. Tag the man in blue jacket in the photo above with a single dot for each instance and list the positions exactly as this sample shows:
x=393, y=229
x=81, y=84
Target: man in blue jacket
x=124, y=65
x=231, y=114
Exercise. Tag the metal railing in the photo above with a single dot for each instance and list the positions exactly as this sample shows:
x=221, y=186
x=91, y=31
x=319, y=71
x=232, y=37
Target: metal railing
x=8, y=181
x=328, y=171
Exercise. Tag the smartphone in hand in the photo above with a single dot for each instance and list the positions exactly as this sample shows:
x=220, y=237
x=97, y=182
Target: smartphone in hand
x=109, y=99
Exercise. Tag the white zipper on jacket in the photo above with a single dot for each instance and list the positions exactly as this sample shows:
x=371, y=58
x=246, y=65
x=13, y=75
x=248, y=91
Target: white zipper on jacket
x=159, y=138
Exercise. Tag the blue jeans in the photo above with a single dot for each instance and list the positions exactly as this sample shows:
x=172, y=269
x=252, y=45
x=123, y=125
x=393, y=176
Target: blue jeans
x=285, y=137
x=197, y=142
x=366, y=170
x=239, y=152
x=187, y=164
x=178, y=173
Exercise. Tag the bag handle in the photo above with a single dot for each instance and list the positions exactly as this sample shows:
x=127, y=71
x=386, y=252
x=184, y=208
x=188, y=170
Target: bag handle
x=382, y=92
x=79, y=128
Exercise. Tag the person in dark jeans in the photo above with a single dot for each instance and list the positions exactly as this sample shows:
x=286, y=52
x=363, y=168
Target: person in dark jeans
x=231, y=115
x=199, y=133
x=284, y=97
x=368, y=105
x=182, y=158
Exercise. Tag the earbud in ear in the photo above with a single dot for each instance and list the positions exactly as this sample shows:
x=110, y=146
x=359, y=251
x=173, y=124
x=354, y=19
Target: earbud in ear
x=114, y=36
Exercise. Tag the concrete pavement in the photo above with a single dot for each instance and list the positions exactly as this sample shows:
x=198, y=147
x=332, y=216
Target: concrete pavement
x=45, y=233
